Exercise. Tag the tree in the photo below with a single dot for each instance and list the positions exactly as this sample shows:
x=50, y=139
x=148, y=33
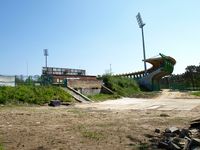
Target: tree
x=192, y=74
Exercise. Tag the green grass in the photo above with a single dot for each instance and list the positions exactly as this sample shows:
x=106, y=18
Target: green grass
x=196, y=93
x=32, y=94
x=1, y=147
x=141, y=94
x=90, y=134
x=121, y=86
x=102, y=97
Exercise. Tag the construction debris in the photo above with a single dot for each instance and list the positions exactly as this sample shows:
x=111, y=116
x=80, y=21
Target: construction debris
x=174, y=138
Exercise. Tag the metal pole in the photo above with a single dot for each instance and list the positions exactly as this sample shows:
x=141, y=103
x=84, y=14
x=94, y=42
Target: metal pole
x=145, y=66
x=46, y=61
x=141, y=25
x=110, y=69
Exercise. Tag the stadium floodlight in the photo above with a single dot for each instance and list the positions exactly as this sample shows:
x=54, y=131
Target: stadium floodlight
x=46, y=54
x=141, y=25
x=139, y=20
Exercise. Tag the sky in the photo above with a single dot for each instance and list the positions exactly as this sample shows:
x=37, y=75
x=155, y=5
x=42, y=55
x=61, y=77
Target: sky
x=96, y=34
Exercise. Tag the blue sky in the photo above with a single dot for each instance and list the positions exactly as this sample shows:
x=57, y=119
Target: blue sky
x=92, y=34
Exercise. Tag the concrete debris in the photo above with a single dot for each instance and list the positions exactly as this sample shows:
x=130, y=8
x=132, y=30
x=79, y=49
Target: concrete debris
x=174, y=138
x=195, y=124
x=157, y=130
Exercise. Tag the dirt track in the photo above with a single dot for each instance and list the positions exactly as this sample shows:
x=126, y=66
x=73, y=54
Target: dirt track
x=74, y=127
x=166, y=101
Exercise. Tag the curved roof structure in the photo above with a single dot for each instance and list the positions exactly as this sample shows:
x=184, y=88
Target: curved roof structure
x=161, y=66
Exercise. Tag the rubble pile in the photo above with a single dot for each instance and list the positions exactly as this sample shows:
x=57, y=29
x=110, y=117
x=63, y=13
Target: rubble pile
x=174, y=138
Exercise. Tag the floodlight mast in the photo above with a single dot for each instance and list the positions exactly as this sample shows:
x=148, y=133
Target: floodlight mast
x=141, y=25
x=46, y=54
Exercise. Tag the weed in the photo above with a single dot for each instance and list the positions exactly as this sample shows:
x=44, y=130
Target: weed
x=1, y=147
x=92, y=135
x=102, y=97
x=143, y=146
x=96, y=135
x=196, y=93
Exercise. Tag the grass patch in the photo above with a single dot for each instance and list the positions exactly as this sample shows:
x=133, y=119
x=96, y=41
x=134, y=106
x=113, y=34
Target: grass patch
x=142, y=146
x=196, y=93
x=102, y=97
x=32, y=94
x=92, y=135
x=95, y=135
x=141, y=94
x=1, y=147
x=121, y=86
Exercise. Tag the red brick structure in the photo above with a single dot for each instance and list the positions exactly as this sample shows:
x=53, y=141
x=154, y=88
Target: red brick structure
x=74, y=78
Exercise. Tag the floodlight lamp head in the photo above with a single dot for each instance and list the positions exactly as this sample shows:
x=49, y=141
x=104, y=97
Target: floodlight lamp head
x=139, y=20
x=46, y=52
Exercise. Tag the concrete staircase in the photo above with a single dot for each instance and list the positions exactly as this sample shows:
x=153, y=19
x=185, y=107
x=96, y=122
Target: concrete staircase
x=77, y=95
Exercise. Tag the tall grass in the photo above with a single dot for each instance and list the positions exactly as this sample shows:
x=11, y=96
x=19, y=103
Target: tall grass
x=32, y=94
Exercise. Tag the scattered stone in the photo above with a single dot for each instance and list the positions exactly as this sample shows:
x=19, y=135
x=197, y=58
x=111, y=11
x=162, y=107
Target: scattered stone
x=163, y=145
x=173, y=146
x=195, y=124
x=174, y=130
x=164, y=115
x=194, y=132
x=184, y=132
x=66, y=103
x=37, y=122
x=196, y=148
x=54, y=103
x=174, y=138
x=157, y=130
x=195, y=142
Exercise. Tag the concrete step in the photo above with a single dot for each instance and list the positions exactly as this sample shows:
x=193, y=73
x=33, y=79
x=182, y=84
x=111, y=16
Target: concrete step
x=77, y=95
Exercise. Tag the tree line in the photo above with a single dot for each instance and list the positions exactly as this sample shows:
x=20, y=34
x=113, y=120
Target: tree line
x=189, y=80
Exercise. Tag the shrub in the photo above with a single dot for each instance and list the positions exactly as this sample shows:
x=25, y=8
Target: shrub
x=32, y=94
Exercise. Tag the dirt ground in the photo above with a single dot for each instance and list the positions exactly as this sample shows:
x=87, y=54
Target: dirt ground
x=93, y=126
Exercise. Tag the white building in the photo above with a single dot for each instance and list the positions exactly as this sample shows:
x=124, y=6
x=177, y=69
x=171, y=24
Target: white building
x=7, y=80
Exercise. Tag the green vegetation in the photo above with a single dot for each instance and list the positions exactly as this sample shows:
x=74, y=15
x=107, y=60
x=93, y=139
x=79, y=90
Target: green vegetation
x=32, y=94
x=189, y=80
x=121, y=86
x=1, y=147
x=101, y=97
x=196, y=93
x=90, y=134
x=142, y=94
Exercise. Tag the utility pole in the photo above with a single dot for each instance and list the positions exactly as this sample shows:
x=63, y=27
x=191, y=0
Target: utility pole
x=141, y=25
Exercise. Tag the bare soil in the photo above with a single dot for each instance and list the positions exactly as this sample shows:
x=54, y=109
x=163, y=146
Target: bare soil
x=89, y=127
